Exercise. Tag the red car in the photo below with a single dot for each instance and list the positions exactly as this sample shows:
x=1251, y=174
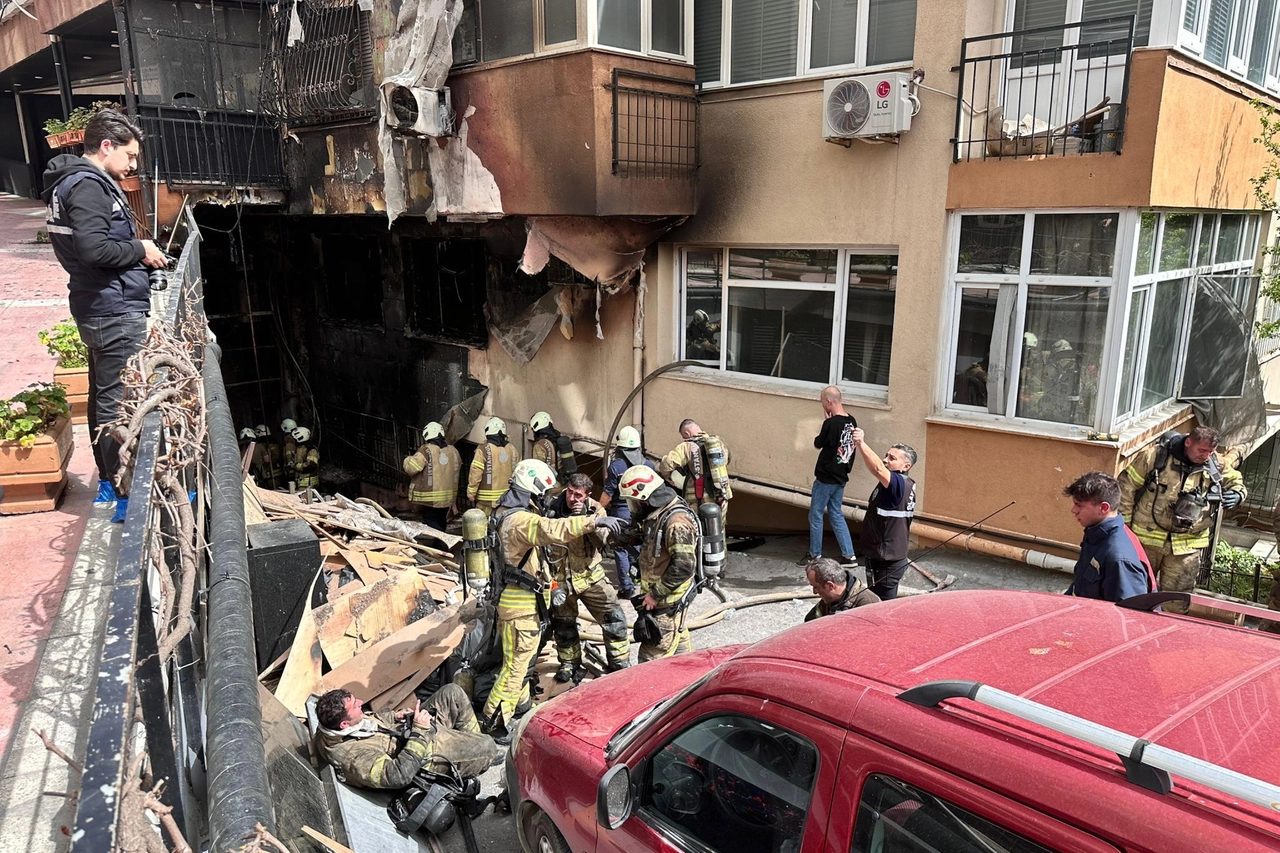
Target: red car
x=966, y=722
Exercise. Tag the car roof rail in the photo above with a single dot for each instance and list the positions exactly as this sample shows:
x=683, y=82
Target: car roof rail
x=1145, y=763
x=1151, y=600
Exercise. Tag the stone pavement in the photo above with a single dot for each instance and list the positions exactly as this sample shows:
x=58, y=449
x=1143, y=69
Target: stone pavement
x=51, y=590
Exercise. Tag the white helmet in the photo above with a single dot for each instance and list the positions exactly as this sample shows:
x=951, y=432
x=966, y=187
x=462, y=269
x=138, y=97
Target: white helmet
x=262, y=430
x=495, y=426
x=301, y=434
x=432, y=430
x=248, y=433
x=1030, y=340
x=288, y=425
x=628, y=438
x=540, y=420
x=533, y=476
x=639, y=482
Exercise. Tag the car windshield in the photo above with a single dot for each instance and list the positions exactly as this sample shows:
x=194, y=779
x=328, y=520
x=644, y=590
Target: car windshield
x=628, y=733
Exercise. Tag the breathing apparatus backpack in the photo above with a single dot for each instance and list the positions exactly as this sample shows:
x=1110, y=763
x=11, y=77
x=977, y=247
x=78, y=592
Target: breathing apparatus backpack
x=709, y=463
x=1190, y=507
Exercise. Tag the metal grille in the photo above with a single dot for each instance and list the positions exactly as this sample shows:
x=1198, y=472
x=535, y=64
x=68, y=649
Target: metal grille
x=655, y=131
x=213, y=148
x=317, y=67
x=1053, y=98
x=371, y=446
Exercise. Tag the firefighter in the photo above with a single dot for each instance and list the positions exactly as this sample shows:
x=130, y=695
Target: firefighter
x=434, y=469
x=1171, y=495
x=260, y=460
x=491, y=467
x=668, y=534
x=546, y=443
x=305, y=462
x=288, y=445
x=270, y=460
x=699, y=468
x=522, y=530
x=627, y=452
x=579, y=575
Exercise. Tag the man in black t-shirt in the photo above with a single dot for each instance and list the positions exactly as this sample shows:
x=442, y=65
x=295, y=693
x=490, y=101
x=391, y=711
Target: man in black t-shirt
x=835, y=453
x=886, y=530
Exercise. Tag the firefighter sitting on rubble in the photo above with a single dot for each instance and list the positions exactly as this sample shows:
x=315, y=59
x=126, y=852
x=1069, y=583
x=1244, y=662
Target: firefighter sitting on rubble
x=579, y=575
x=522, y=531
x=388, y=748
x=491, y=467
x=668, y=534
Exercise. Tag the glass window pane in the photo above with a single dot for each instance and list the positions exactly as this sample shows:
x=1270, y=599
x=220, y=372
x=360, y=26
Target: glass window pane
x=466, y=38
x=733, y=783
x=868, y=322
x=1162, y=342
x=784, y=333
x=891, y=31
x=620, y=23
x=506, y=28
x=668, y=26
x=1074, y=244
x=1031, y=14
x=991, y=244
x=1099, y=40
x=1175, y=244
x=1191, y=16
x=1061, y=350
x=708, y=20
x=1228, y=248
x=834, y=33
x=1249, y=245
x=703, y=309
x=1241, y=30
x=1264, y=35
x=807, y=265
x=1204, y=245
x=560, y=22
x=973, y=346
x=1146, y=243
x=1132, y=344
x=764, y=39
x=1218, y=31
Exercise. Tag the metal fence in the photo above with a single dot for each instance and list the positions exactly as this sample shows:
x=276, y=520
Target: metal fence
x=1056, y=90
x=655, y=130
x=318, y=64
x=212, y=148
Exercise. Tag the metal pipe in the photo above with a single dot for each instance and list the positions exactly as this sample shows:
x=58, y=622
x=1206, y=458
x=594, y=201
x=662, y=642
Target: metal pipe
x=239, y=793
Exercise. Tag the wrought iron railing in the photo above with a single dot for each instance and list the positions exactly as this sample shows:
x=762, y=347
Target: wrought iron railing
x=318, y=65
x=655, y=130
x=212, y=148
x=1056, y=90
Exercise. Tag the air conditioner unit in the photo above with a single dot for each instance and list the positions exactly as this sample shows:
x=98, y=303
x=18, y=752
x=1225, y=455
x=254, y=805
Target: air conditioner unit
x=873, y=105
x=426, y=112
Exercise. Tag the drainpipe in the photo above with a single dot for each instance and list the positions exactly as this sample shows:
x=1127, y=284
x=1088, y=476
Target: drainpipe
x=925, y=529
x=637, y=353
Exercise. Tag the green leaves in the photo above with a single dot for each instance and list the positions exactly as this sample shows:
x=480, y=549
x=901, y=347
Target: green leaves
x=25, y=416
x=63, y=341
x=1269, y=139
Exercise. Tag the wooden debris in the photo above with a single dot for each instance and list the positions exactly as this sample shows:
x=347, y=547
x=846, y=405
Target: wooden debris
x=302, y=669
x=327, y=841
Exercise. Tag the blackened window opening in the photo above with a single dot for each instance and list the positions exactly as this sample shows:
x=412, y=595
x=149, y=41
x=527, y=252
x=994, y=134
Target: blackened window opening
x=351, y=267
x=318, y=63
x=445, y=289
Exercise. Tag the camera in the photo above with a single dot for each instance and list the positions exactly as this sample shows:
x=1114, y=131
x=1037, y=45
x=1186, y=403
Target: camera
x=159, y=278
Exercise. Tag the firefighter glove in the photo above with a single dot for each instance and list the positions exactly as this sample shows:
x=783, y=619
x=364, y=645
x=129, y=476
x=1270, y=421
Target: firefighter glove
x=611, y=524
x=1231, y=500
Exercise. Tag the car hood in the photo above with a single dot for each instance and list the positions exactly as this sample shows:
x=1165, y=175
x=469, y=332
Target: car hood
x=596, y=709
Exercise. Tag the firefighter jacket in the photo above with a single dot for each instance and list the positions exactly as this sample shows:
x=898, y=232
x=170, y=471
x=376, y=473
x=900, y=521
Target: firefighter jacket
x=377, y=760
x=1149, y=510
x=434, y=471
x=544, y=450
x=264, y=465
x=521, y=531
x=856, y=594
x=577, y=566
x=305, y=466
x=696, y=472
x=491, y=470
x=668, y=553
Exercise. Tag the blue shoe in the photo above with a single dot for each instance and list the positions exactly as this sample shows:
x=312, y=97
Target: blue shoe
x=122, y=507
x=106, y=492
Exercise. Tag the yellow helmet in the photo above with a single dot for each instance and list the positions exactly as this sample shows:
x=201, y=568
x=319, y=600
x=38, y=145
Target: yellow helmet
x=628, y=438
x=432, y=430
x=495, y=426
x=533, y=476
x=540, y=420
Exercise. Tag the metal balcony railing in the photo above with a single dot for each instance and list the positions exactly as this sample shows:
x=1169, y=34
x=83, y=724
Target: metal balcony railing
x=655, y=130
x=212, y=147
x=1051, y=91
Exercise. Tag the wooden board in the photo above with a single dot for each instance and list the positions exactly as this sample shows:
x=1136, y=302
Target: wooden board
x=360, y=563
x=334, y=629
x=302, y=669
x=420, y=645
x=380, y=559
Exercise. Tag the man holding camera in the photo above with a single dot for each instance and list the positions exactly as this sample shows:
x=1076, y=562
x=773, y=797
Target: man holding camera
x=92, y=231
x=1172, y=493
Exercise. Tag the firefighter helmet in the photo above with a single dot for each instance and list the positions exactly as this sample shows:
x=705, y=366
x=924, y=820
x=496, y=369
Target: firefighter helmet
x=301, y=435
x=539, y=421
x=639, y=482
x=495, y=426
x=533, y=476
x=288, y=425
x=248, y=433
x=628, y=438
x=432, y=430
x=262, y=431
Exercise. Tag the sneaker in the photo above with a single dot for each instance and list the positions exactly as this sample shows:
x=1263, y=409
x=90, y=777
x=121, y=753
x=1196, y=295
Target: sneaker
x=106, y=493
x=848, y=562
x=122, y=507
x=806, y=559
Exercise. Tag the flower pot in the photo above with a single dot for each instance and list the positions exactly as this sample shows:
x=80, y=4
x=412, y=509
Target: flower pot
x=76, y=381
x=131, y=184
x=32, y=478
x=52, y=139
x=72, y=137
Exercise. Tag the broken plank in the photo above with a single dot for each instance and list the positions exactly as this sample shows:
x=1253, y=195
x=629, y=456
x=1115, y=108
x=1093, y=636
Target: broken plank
x=274, y=665
x=379, y=559
x=326, y=841
x=393, y=697
x=387, y=607
x=358, y=561
x=302, y=669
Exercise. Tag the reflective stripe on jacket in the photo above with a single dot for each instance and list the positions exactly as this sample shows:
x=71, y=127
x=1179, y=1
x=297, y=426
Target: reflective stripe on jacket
x=435, y=471
x=523, y=531
x=1150, y=515
x=490, y=473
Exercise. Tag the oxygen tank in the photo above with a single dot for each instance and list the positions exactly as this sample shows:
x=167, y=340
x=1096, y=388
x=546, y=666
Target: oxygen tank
x=465, y=678
x=568, y=459
x=475, y=549
x=713, y=549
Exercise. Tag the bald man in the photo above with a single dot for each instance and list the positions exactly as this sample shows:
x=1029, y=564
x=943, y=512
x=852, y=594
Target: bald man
x=830, y=475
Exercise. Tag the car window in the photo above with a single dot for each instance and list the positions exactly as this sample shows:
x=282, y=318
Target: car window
x=733, y=784
x=894, y=817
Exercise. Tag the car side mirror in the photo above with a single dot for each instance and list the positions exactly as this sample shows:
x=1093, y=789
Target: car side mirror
x=613, y=797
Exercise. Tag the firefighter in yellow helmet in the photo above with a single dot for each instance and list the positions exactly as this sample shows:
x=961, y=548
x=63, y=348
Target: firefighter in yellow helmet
x=699, y=468
x=669, y=537
x=522, y=532
x=434, y=470
x=305, y=464
x=491, y=467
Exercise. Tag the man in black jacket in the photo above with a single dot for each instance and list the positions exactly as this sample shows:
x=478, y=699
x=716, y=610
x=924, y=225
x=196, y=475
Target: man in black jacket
x=92, y=231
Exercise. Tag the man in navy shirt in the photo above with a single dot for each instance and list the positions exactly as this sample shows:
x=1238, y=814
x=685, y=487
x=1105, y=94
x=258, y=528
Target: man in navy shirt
x=886, y=529
x=627, y=453
x=1112, y=564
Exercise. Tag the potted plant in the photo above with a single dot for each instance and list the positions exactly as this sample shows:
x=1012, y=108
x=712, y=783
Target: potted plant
x=64, y=134
x=72, y=371
x=35, y=447
x=54, y=128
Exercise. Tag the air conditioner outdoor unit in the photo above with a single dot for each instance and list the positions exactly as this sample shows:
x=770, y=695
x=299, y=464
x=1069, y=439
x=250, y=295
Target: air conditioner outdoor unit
x=426, y=112
x=873, y=105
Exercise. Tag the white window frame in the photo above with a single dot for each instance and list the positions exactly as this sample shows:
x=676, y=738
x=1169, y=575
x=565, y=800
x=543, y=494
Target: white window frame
x=839, y=289
x=804, y=38
x=646, y=33
x=1194, y=43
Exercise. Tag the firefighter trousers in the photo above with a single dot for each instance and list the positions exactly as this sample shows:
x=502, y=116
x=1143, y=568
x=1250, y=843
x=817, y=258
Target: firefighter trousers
x=603, y=605
x=457, y=739
x=1174, y=572
x=675, y=636
x=520, y=636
